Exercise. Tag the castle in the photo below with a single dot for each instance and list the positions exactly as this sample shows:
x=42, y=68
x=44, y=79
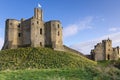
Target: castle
x=105, y=51
x=33, y=32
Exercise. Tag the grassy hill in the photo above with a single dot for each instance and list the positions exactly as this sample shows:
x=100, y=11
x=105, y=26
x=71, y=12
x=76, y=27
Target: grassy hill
x=47, y=64
x=88, y=73
x=41, y=58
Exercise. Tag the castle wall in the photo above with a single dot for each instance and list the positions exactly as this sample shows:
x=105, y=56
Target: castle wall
x=25, y=34
x=37, y=30
x=54, y=34
x=48, y=41
x=99, y=52
x=11, y=34
x=37, y=33
x=33, y=32
x=116, y=53
x=108, y=50
x=67, y=49
x=104, y=51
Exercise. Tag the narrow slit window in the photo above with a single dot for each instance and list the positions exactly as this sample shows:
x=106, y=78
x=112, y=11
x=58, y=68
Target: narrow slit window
x=19, y=34
x=40, y=43
x=53, y=25
x=19, y=26
x=41, y=31
x=37, y=22
x=58, y=33
x=58, y=26
x=11, y=24
x=108, y=57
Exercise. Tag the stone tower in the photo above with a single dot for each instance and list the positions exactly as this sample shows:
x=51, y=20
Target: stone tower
x=38, y=14
x=11, y=33
x=33, y=32
x=37, y=29
x=107, y=48
x=105, y=51
x=53, y=34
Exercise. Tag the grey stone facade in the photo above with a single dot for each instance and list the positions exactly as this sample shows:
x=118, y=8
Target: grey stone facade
x=33, y=32
x=105, y=51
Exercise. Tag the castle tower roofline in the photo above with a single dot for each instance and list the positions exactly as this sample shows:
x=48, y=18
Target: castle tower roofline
x=38, y=8
x=38, y=14
x=106, y=40
x=12, y=20
x=54, y=21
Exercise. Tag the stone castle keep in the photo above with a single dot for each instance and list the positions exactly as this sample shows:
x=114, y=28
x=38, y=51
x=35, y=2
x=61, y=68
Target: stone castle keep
x=33, y=32
x=105, y=51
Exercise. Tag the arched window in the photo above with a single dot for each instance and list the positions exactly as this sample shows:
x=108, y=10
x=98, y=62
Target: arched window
x=41, y=31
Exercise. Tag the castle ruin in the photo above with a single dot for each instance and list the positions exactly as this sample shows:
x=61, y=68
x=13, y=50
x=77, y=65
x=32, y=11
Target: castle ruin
x=33, y=32
x=105, y=51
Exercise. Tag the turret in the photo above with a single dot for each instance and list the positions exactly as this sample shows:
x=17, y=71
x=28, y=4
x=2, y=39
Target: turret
x=38, y=13
x=12, y=34
x=54, y=34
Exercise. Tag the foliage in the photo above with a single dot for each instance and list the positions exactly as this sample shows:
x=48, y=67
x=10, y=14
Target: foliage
x=41, y=58
x=109, y=63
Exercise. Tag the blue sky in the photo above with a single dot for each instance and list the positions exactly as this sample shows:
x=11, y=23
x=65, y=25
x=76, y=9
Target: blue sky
x=85, y=22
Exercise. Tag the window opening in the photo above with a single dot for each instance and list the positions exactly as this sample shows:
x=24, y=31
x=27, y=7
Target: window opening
x=40, y=30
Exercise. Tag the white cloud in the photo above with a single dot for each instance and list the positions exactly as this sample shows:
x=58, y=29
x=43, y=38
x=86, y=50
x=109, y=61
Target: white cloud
x=85, y=47
x=1, y=42
x=73, y=29
x=113, y=29
x=1, y=37
x=70, y=30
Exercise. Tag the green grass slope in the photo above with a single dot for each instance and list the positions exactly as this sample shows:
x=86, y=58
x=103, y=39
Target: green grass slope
x=41, y=58
x=62, y=74
x=47, y=64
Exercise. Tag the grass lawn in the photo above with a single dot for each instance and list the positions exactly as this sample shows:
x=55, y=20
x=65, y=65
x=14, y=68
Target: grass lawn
x=48, y=74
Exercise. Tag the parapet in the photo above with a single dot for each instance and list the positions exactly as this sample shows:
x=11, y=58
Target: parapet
x=13, y=20
x=53, y=21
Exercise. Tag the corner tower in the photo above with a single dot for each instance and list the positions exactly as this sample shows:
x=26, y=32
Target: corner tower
x=12, y=34
x=53, y=34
